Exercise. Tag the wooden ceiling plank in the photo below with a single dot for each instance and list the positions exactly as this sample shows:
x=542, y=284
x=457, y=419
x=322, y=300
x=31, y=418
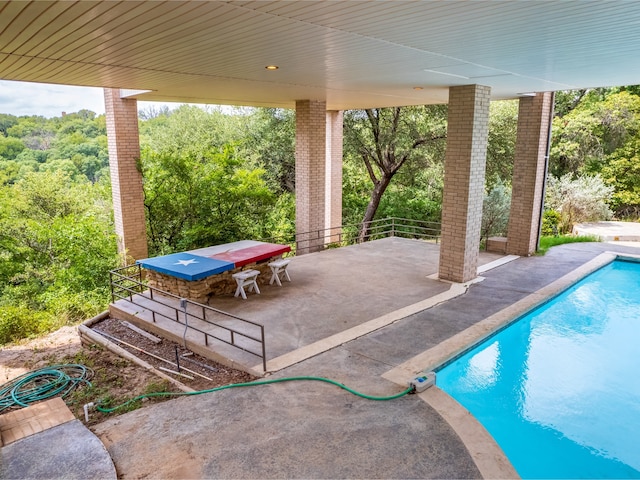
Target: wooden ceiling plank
x=199, y=45
x=109, y=31
x=48, y=25
x=23, y=21
x=165, y=40
x=10, y=14
x=80, y=29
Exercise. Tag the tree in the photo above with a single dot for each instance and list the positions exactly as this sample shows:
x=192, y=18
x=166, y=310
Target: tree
x=388, y=138
x=7, y=121
x=197, y=200
x=583, y=199
x=501, y=145
x=495, y=211
x=622, y=172
x=271, y=142
x=57, y=245
x=10, y=148
x=192, y=130
x=600, y=124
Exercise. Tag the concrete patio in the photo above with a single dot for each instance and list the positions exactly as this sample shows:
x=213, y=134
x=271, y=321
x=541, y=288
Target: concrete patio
x=335, y=296
x=312, y=430
x=306, y=429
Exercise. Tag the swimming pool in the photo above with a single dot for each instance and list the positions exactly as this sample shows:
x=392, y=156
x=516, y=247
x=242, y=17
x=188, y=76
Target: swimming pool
x=558, y=389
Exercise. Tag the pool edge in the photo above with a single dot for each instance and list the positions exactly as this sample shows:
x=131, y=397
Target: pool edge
x=484, y=450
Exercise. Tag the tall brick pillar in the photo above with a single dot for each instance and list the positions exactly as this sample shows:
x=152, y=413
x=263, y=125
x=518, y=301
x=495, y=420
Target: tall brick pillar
x=529, y=169
x=126, y=180
x=333, y=176
x=311, y=127
x=464, y=168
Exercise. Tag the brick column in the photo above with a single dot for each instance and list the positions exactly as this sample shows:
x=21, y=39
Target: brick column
x=311, y=124
x=467, y=133
x=333, y=173
x=529, y=169
x=126, y=180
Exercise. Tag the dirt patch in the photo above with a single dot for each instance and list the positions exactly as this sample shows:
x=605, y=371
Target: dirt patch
x=204, y=373
x=115, y=380
x=28, y=355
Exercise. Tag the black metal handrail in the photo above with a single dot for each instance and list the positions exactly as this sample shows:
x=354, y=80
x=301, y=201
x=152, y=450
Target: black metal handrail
x=349, y=234
x=127, y=284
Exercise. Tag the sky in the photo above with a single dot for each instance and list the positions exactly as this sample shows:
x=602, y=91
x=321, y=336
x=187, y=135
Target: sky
x=24, y=98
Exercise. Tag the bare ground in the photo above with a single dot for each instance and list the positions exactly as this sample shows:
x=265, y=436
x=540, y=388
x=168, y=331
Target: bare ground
x=115, y=379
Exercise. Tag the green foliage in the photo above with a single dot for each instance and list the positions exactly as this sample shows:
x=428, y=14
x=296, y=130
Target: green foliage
x=600, y=123
x=19, y=321
x=281, y=220
x=581, y=199
x=157, y=387
x=550, y=223
x=501, y=145
x=495, y=211
x=201, y=199
x=75, y=143
x=417, y=196
x=10, y=148
x=57, y=246
x=546, y=242
x=622, y=172
x=6, y=122
x=271, y=142
x=190, y=130
x=387, y=140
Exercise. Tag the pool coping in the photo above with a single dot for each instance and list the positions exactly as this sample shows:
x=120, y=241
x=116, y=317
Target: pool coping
x=486, y=453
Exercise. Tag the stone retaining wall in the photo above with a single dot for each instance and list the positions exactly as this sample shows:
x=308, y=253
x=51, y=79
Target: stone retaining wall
x=201, y=290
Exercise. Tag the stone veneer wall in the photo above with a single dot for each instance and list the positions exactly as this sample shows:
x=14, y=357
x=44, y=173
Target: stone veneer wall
x=201, y=290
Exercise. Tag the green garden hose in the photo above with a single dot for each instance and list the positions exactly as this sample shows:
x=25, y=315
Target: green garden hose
x=252, y=384
x=42, y=384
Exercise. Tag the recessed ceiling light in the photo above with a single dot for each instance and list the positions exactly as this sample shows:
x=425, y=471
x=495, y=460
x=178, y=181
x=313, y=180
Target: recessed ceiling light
x=272, y=67
x=418, y=88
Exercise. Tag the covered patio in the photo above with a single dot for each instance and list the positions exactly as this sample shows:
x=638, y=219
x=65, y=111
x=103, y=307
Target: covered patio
x=308, y=430
x=335, y=296
x=322, y=58
x=358, y=314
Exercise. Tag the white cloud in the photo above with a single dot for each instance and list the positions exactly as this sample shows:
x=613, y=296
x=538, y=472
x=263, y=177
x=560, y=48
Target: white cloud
x=48, y=100
x=25, y=98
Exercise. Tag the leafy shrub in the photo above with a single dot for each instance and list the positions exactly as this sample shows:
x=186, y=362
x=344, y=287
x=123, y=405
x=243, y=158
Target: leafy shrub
x=550, y=222
x=580, y=199
x=495, y=211
x=18, y=322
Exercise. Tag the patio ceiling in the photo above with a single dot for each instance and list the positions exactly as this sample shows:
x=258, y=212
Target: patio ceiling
x=353, y=54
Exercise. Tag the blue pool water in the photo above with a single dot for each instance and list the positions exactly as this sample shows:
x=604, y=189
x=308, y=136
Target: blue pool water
x=559, y=389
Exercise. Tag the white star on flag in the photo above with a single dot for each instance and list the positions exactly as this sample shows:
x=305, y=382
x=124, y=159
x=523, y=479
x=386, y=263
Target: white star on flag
x=186, y=263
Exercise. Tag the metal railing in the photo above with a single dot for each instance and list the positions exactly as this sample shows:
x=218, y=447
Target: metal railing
x=351, y=234
x=127, y=284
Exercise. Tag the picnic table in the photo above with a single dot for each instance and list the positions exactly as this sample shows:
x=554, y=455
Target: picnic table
x=198, y=274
